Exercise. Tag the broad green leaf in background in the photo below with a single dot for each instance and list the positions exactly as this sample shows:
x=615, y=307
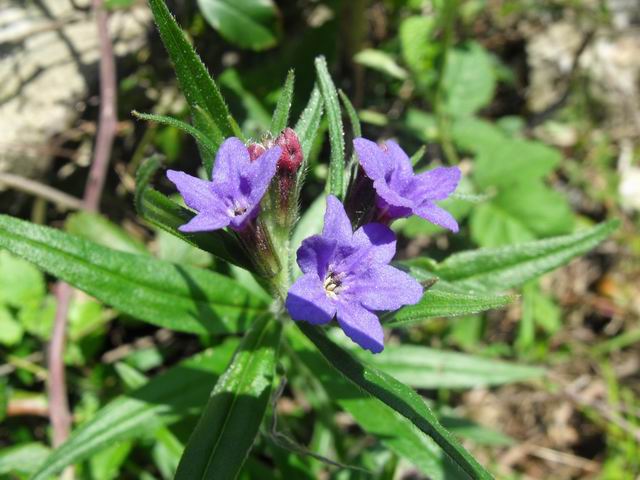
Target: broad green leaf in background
x=492, y=226
x=258, y=118
x=498, y=269
x=197, y=85
x=396, y=395
x=166, y=214
x=512, y=162
x=309, y=123
x=172, y=296
x=335, y=184
x=229, y=424
x=374, y=416
x=423, y=367
x=98, y=229
x=280, y=118
x=469, y=80
x=250, y=24
x=23, y=459
x=10, y=329
x=180, y=391
x=20, y=281
x=419, y=49
x=380, y=61
x=439, y=302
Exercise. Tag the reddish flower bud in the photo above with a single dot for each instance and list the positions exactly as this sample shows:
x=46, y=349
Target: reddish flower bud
x=291, y=157
x=255, y=150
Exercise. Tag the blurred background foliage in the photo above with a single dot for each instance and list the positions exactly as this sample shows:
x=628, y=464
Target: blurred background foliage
x=538, y=102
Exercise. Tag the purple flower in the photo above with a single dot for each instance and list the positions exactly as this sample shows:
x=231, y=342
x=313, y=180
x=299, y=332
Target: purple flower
x=400, y=192
x=232, y=197
x=348, y=274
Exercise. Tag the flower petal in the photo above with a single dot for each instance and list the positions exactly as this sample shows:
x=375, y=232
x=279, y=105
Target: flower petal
x=232, y=159
x=384, y=287
x=361, y=326
x=337, y=225
x=314, y=255
x=436, y=184
x=197, y=193
x=307, y=301
x=439, y=216
x=390, y=196
x=371, y=158
x=399, y=159
x=376, y=242
x=261, y=172
x=205, y=222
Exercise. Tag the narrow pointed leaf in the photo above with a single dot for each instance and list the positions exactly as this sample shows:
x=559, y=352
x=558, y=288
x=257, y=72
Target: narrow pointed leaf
x=335, y=184
x=281, y=113
x=375, y=417
x=396, y=395
x=203, y=122
x=166, y=214
x=309, y=122
x=497, y=269
x=353, y=115
x=182, y=390
x=196, y=83
x=227, y=429
x=177, y=297
x=423, y=367
x=209, y=145
x=440, y=303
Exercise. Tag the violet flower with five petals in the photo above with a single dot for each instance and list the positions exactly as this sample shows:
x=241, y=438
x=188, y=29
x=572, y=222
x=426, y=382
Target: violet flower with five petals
x=400, y=192
x=347, y=274
x=232, y=197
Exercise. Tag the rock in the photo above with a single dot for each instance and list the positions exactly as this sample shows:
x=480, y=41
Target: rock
x=48, y=62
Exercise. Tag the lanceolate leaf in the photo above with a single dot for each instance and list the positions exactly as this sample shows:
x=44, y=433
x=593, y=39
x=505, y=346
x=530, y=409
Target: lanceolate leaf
x=394, y=430
x=309, y=122
x=440, y=303
x=281, y=113
x=197, y=85
x=397, y=396
x=209, y=145
x=496, y=269
x=180, y=391
x=164, y=213
x=227, y=429
x=23, y=458
x=423, y=367
x=172, y=296
x=336, y=130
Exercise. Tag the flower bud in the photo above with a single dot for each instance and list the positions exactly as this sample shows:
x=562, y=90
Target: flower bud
x=291, y=157
x=255, y=150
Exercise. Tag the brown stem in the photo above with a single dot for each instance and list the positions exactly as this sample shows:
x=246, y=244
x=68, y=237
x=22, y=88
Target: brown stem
x=107, y=124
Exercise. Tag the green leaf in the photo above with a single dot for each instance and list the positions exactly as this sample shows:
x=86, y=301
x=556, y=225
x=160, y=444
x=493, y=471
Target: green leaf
x=374, y=416
x=309, y=123
x=166, y=214
x=98, y=229
x=227, y=429
x=208, y=143
x=419, y=49
x=11, y=331
x=247, y=23
x=353, y=115
x=23, y=459
x=441, y=303
x=498, y=269
x=281, y=113
x=196, y=83
x=177, y=297
x=335, y=185
x=469, y=80
x=429, y=368
x=258, y=114
x=492, y=226
x=20, y=282
x=397, y=396
x=180, y=391
x=382, y=62
x=514, y=161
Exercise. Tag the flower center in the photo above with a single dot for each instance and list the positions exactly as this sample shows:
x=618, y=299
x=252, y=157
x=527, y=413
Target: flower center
x=333, y=284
